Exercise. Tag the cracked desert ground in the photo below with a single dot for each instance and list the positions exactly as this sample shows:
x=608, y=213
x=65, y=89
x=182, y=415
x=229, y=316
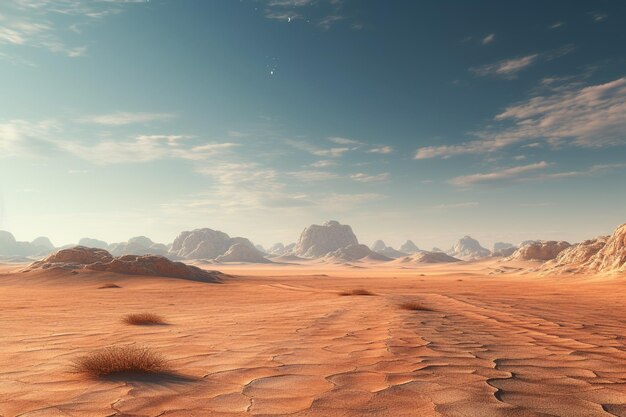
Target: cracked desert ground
x=280, y=340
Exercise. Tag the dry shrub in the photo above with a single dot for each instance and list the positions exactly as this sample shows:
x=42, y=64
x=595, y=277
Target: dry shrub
x=356, y=292
x=109, y=285
x=414, y=306
x=144, y=319
x=120, y=359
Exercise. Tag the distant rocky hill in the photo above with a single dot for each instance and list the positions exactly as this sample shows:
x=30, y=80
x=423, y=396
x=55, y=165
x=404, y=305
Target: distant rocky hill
x=468, y=249
x=355, y=253
x=427, y=258
x=409, y=247
x=211, y=244
x=540, y=250
x=9, y=246
x=93, y=243
x=604, y=254
x=139, y=245
x=380, y=247
x=317, y=241
x=240, y=252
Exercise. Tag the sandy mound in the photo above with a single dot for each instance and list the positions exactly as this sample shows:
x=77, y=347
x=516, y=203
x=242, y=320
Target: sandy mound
x=240, y=252
x=80, y=257
x=409, y=247
x=355, y=253
x=468, y=249
x=427, y=258
x=316, y=241
x=540, y=250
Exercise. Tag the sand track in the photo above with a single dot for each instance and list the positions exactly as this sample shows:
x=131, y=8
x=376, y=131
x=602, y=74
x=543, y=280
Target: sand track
x=290, y=345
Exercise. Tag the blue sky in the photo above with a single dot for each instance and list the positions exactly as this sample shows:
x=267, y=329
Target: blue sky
x=408, y=120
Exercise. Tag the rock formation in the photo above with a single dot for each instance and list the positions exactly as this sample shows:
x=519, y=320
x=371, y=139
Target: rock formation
x=355, y=253
x=409, y=247
x=540, y=250
x=9, y=246
x=93, y=243
x=139, y=245
x=277, y=249
x=378, y=246
x=502, y=245
x=204, y=244
x=468, y=249
x=96, y=259
x=240, y=252
x=504, y=253
x=427, y=258
x=316, y=241
x=436, y=249
x=604, y=254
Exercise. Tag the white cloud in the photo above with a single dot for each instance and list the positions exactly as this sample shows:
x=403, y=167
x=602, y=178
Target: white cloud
x=324, y=163
x=457, y=205
x=489, y=38
x=30, y=23
x=381, y=150
x=363, y=177
x=344, y=141
x=592, y=116
x=494, y=176
x=556, y=25
x=313, y=176
x=126, y=118
x=507, y=68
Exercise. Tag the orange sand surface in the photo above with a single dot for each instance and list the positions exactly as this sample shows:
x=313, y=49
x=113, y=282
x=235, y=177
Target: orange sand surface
x=280, y=340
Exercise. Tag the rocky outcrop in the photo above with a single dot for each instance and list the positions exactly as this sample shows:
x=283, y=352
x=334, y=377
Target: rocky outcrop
x=96, y=259
x=427, y=258
x=72, y=258
x=380, y=247
x=356, y=252
x=504, y=253
x=436, y=249
x=316, y=241
x=240, y=252
x=468, y=249
x=204, y=244
x=93, y=243
x=139, y=245
x=498, y=246
x=409, y=247
x=9, y=246
x=277, y=249
x=540, y=250
x=604, y=254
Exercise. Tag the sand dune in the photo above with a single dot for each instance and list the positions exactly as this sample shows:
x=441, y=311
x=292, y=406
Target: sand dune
x=283, y=342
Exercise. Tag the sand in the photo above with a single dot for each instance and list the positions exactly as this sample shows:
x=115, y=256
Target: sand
x=279, y=340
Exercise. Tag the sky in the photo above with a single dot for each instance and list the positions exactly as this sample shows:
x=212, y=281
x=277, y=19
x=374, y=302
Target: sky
x=424, y=120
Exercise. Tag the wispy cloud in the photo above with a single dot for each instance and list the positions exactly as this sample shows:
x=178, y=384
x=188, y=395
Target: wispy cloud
x=126, y=118
x=457, y=205
x=556, y=25
x=344, y=141
x=323, y=13
x=587, y=116
x=489, y=39
x=32, y=23
x=314, y=176
x=363, y=177
x=381, y=150
x=499, y=175
x=599, y=16
x=507, y=68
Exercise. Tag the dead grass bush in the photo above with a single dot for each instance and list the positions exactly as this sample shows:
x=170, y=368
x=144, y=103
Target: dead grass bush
x=414, y=306
x=356, y=292
x=144, y=319
x=121, y=359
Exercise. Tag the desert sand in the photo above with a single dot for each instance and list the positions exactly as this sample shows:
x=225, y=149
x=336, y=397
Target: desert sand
x=281, y=340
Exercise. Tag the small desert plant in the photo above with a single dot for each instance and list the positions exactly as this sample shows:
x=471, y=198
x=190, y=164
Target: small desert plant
x=356, y=292
x=144, y=319
x=414, y=306
x=120, y=359
x=109, y=285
